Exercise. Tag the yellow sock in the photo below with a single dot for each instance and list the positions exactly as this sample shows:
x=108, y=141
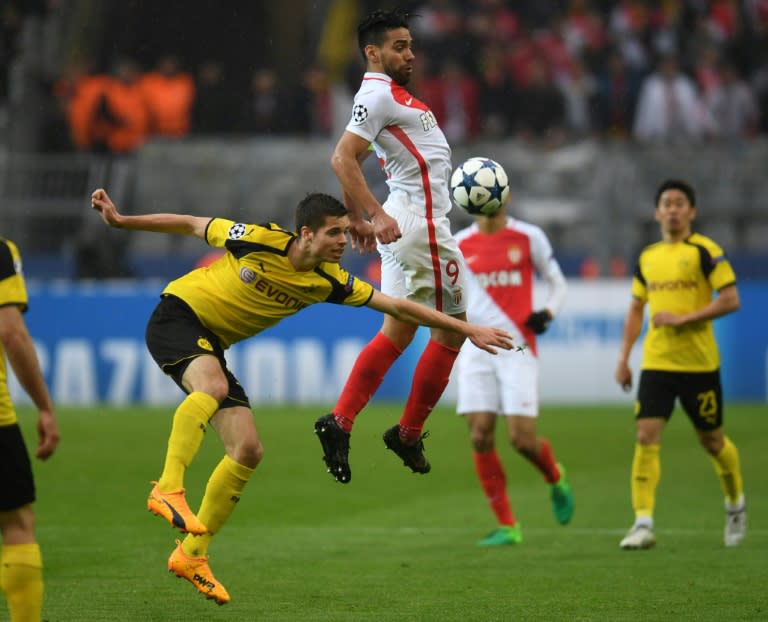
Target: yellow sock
x=646, y=473
x=728, y=467
x=221, y=495
x=21, y=579
x=187, y=433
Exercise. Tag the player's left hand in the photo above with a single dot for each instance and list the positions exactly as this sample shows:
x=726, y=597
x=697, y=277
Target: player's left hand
x=539, y=321
x=362, y=237
x=47, y=435
x=665, y=318
x=488, y=339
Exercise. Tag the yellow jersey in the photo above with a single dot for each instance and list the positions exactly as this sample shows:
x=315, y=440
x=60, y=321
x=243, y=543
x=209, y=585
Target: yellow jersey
x=680, y=278
x=253, y=285
x=12, y=292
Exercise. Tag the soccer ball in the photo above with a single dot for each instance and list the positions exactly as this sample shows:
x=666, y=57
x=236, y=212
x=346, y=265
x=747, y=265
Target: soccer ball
x=480, y=186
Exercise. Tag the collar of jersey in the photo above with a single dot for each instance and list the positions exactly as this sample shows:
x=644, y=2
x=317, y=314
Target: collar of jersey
x=377, y=75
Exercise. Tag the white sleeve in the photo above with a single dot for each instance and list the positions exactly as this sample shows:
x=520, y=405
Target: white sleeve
x=370, y=114
x=548, y=268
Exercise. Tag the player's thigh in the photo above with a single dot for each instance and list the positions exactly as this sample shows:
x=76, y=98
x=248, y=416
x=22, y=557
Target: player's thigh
x=701, y=396
x=18, y=487
x=476, y=382
x=425, y=264
x=237, y=429
x=656, y=394
x=518, y=380
x=177, y=340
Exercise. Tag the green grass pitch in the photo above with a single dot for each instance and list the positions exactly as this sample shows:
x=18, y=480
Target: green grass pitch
x=392, y=545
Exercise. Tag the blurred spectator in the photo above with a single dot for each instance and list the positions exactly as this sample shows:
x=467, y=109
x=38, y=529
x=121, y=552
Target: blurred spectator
x=108, y=113
x=265, y=112
x=760, y=88
x=521, y=54
x=583, y=28
x=669, y=107
x=579, y=88
x=57, y=135
x=617, y=91
x=452, y=95
x=440, y=24
x=540, y=108
x=314, y=112
x=213, y=111
x=496, y=93
x=10, y=25
x=82, y=96
x=628, y=25
x=492, y=21
x=168, y=94
x=733, y=106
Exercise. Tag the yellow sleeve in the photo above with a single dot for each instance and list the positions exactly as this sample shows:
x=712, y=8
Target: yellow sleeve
x=721, y=273
x=219, y=230
x=12, y=288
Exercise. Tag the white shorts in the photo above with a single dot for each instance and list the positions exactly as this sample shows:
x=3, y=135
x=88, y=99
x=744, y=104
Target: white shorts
x=425, y=265
x=507, y=384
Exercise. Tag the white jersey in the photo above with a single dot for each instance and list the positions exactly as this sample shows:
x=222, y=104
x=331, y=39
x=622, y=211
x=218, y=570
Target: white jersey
x=501, y=268
x=411, y=148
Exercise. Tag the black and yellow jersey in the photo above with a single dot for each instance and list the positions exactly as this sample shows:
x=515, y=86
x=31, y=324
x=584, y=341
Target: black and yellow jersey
x=254, y=285
x=12, y=292
x=680, y=278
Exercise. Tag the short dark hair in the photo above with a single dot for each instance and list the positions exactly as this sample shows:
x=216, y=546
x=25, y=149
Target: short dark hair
x=676, y=184
x=373, y=28
x=314, y=208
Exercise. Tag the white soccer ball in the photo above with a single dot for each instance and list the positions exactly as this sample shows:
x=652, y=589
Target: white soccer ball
x=480, y=186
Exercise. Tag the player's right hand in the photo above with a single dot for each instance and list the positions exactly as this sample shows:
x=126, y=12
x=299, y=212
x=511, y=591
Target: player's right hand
x=623, y=376
x=101, y=202
x=386, y=228
x=487, y=338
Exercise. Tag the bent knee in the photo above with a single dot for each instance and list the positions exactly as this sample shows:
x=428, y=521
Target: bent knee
x=524, y=445
x=482, y=441
x=712, y=445
x=249, y=453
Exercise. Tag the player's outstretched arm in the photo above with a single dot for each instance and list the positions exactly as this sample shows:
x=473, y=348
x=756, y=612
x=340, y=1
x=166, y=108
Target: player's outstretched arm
x=159, y=223
x=484, y=337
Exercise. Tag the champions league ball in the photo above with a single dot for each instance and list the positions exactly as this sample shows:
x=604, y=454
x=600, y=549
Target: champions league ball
x=480, y=186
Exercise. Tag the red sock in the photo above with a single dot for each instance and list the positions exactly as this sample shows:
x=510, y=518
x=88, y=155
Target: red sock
x=429, y=381
x=544, y=461
x=365, y=378
x=494, y=483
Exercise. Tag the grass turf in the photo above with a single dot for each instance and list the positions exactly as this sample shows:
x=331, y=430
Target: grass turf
x=393, y=545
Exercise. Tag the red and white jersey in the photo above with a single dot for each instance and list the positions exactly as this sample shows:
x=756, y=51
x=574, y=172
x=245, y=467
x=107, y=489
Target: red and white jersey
x=411, y=148
x=501, y=267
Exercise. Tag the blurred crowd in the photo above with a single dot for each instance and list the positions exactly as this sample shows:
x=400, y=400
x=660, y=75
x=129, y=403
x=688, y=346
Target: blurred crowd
x=550, y=70
x=543, y=71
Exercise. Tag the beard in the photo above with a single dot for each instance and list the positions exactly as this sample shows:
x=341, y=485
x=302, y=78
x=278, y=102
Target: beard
x=399, y=76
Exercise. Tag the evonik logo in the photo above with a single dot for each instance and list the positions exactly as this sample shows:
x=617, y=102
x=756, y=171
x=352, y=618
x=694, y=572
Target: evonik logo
x=660, y=286
x=278, y=295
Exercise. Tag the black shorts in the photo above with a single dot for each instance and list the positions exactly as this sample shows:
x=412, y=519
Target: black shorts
x=18, y=487
x=175, y=337
x=700, y=394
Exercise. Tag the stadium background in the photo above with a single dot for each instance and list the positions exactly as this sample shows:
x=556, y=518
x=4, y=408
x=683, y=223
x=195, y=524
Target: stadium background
x=254, y=140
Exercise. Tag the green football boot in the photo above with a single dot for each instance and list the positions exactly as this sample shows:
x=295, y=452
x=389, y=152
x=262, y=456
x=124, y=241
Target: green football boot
x=562, y=498
x=503, y=535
